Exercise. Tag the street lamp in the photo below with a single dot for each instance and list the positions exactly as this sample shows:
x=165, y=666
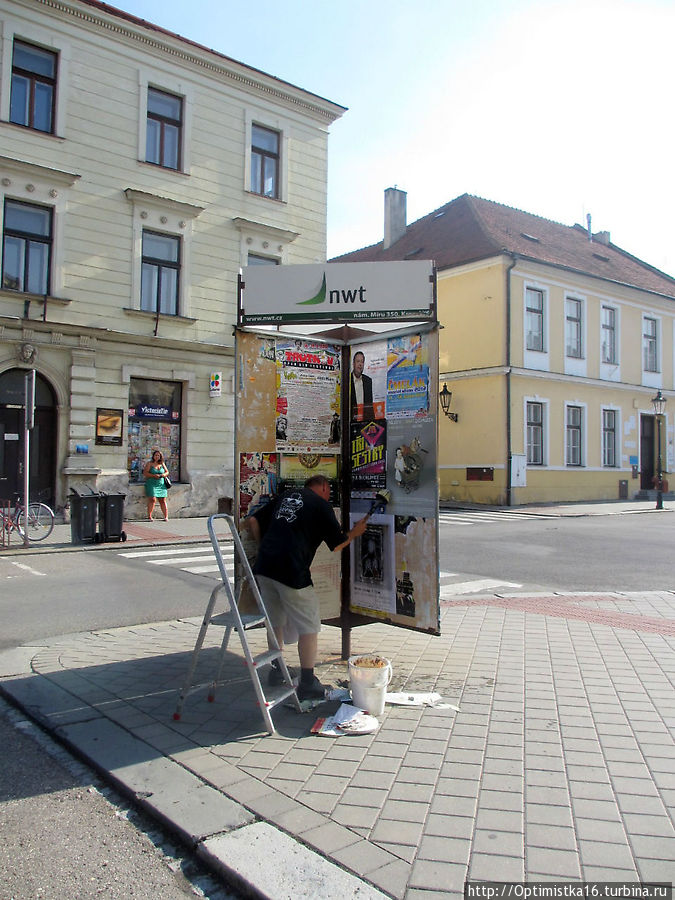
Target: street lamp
x=659, y=404
x=445, y=397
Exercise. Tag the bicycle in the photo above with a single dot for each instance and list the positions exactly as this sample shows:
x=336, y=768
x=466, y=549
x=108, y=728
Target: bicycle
x=40, y=522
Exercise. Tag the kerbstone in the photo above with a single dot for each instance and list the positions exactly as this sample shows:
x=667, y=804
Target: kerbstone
x=269, y=864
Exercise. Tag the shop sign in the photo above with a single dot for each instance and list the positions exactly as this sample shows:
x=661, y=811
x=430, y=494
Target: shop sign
x=158, y=413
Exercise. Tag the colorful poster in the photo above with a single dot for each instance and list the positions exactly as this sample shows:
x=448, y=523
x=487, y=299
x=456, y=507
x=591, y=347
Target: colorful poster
x=368, y=454
x=368, y=381
x=296, y=468
x=257, y=480
x=308, y=396
x=407, y=377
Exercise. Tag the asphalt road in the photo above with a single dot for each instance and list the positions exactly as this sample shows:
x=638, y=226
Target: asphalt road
x=631, y=552
x=66, y=836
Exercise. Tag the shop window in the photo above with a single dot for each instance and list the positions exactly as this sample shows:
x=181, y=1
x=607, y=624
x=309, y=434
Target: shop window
x=154, y=424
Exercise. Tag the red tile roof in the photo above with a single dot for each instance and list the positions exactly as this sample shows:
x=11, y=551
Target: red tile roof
x=470, y=228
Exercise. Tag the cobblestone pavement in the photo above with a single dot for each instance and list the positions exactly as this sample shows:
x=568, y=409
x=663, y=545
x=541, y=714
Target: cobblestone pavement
x=559, y=764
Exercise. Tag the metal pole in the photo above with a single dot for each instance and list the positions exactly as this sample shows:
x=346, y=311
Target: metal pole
x=659, y=473
x=29, y=421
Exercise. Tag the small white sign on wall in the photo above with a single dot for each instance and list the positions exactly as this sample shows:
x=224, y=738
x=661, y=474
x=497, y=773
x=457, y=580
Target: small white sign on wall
x=215, y=384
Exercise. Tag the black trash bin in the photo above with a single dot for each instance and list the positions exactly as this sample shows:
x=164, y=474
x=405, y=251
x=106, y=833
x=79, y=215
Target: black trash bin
x=111, y=517
x=83, y=516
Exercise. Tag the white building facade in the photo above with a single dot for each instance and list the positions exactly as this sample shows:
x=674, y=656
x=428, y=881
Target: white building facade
x=138, y=173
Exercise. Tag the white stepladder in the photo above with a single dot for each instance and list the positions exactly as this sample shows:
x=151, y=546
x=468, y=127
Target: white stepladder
x=233, y=620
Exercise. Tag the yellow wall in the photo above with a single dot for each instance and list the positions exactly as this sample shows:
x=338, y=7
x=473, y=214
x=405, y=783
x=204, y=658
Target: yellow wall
x=472, y=308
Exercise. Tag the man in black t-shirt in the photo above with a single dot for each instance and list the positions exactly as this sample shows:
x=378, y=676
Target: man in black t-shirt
x=290, y=531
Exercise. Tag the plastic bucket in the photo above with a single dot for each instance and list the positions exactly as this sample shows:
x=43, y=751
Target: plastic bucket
x=369, y=682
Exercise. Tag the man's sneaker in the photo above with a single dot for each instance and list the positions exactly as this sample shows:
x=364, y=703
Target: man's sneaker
x=312, y=691
x=275, y=676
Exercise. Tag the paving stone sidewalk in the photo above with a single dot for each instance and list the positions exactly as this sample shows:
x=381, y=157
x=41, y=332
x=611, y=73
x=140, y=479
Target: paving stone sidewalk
x=559, y=764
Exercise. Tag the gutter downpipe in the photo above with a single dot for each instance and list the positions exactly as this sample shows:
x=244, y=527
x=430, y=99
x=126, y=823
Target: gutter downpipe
x=509, y=490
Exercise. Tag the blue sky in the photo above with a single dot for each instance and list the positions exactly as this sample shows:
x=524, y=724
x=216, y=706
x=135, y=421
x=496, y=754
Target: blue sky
x=557, y=107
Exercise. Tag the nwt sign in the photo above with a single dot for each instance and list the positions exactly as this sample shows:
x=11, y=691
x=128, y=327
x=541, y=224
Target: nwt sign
x=337, y=292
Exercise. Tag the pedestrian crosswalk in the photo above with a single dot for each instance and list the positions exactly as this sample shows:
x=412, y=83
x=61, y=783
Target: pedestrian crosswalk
x=199, y=559
x=484, y=517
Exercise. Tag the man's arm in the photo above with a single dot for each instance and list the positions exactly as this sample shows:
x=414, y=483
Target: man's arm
x=354, y=532
x=253, y=526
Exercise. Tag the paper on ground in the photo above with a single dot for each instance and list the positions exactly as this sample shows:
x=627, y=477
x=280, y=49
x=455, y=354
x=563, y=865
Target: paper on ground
x=433, y=700
x=347, y=720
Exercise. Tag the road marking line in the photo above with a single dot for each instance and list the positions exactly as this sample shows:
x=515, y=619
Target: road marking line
x=472, y=587
x=175, y=562
x=27, y=568
x=139, y=553
x=202, y=570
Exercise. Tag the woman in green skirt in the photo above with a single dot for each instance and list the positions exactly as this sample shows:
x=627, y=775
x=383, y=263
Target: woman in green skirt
x=154, y=472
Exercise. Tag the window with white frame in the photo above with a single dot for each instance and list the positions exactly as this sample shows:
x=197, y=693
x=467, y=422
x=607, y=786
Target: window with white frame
x=609, y=339
x=26, y=247
x=254, y=259
x=160, y=273
x=33, y=87
x=535, y=433
x=164, y=132
x=573, y=435
x=573, y=328
x=609, y=437
x=265, y=157
x=534, y=319
x=162, y=239
x=650, y=355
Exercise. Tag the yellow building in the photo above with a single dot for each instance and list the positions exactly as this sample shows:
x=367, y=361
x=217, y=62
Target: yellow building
x=554, y=343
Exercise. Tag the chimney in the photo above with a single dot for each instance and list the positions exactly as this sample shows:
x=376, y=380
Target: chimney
x=602, y=237
x=395, y=215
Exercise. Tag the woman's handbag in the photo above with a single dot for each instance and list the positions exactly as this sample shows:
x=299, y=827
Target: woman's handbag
x=167, y=482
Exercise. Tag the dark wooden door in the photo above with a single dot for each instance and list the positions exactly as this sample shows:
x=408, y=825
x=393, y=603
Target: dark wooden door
x=42, y=438
x=11, y=451
x=647, y=447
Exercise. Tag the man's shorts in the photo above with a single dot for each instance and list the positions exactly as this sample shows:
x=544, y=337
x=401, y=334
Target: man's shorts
x=297, y=607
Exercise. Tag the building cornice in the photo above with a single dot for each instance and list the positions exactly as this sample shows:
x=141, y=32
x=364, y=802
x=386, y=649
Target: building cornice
x=143, y=198
x=34, y=170
x=204, y=58
x=250, y=225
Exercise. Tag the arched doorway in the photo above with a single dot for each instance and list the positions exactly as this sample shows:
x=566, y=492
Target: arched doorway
x=42, y=437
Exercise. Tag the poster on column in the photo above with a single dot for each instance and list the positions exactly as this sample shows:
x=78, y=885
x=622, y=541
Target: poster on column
x=368, y=455
x=257, y=480
x=368, y=381
x=411, y=466
x=296, y=468
x=308, y=396
x=372, y=560
x=407, y=377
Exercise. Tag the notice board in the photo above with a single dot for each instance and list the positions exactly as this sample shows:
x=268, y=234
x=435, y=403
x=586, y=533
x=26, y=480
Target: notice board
x=361, y=410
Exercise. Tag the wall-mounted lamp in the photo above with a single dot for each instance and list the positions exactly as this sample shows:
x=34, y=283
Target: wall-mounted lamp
x=445, y=397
